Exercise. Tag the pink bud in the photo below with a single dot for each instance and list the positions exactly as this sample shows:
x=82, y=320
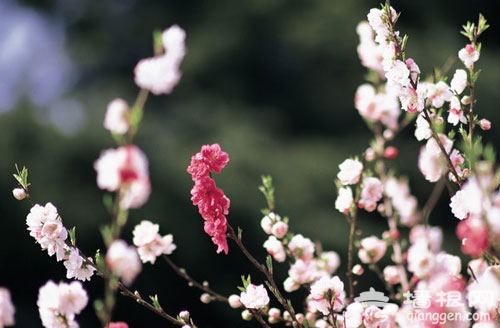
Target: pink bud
x=391, y=152
x=484, y=124
x=358, y=270
x=19, y=193
x=119, y=324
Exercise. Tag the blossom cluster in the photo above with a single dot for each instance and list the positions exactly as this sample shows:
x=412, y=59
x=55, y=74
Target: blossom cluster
x=212, y=203
x=45, y=225
x=160, y=74
x=420, y=275
x=59, y=304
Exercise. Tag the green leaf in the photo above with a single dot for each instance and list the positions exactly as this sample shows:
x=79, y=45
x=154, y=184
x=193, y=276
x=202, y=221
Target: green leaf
x=72, y=236
x=156, y=302
x=21, y=177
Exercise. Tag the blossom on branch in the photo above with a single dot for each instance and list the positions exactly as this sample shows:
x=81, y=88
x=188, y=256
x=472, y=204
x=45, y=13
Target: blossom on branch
x=116, y=119
x=124, y=169
x=150, y=244
x=254, y=297
x=160, y=74
x=58, y=304
x=327, y=295
x=44, y=224
x=213, y=204
x=123, y=261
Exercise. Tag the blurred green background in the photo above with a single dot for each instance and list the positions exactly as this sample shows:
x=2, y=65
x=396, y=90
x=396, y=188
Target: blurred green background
x=272, y=81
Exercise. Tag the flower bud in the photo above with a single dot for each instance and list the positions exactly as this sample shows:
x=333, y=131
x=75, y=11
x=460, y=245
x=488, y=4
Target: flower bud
x=19, y=193
x=484, y=124
x=357, y=270
x=246, y=315
x=205, y=298
x=234, y=301
x=184, y=316
x=274, y=315
x=390, y=152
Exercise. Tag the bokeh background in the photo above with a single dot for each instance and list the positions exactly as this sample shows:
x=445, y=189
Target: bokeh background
x=272, y=81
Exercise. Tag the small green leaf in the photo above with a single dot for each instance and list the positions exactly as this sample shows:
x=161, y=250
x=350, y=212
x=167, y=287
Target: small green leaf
x=72, y=236
x=269, y=263
x=156, y=302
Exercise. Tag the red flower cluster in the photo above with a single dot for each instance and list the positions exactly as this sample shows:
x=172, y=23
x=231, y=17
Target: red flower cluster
x=212, y=204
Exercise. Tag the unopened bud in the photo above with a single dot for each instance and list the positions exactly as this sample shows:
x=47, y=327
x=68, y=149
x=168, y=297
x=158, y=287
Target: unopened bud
x=246, y=315
x=205, y=298
x=358, y=270
x=369, y=154
x=19, y=193
x=465, y=100
x=234, y=301
x=274, y=315
x=484, y=124
x=184, y=316
x=391, y=152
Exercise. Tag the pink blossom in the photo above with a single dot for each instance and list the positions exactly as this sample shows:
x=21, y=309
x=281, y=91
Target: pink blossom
x=392, y=274
x=456, y=113
x=423, y=130
x=327, y=294
x=488, y=281
x=344, y=200
x=412, y=100
x=116, y=119
x=127, y=168
x=44, y=224
x=77, y=267
x=350, y=171
x=210, y=159
x=161, y=74
x=369, y=52
x=431, y=162
x=353, y=315
x=150, y=244
x=275, y=248
x=7, y=309
x=301, y=247
x=402, y=201
x=328, y=262
x=377, y=107
x=119, y=324
x=124, y=261
x=302, y=272
x=468, y=200
x=438, y=94
x=254, y=297
x=414, y=69
x=398, y=77
x=468, y=55
x=432, y=236
x=213, y=206
x=268, y=222
x=473, y=233
x=371, y=193
x=373, y=317
x=420, y=259
x=60, y=303
x=371, y=249
x=459, y=81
